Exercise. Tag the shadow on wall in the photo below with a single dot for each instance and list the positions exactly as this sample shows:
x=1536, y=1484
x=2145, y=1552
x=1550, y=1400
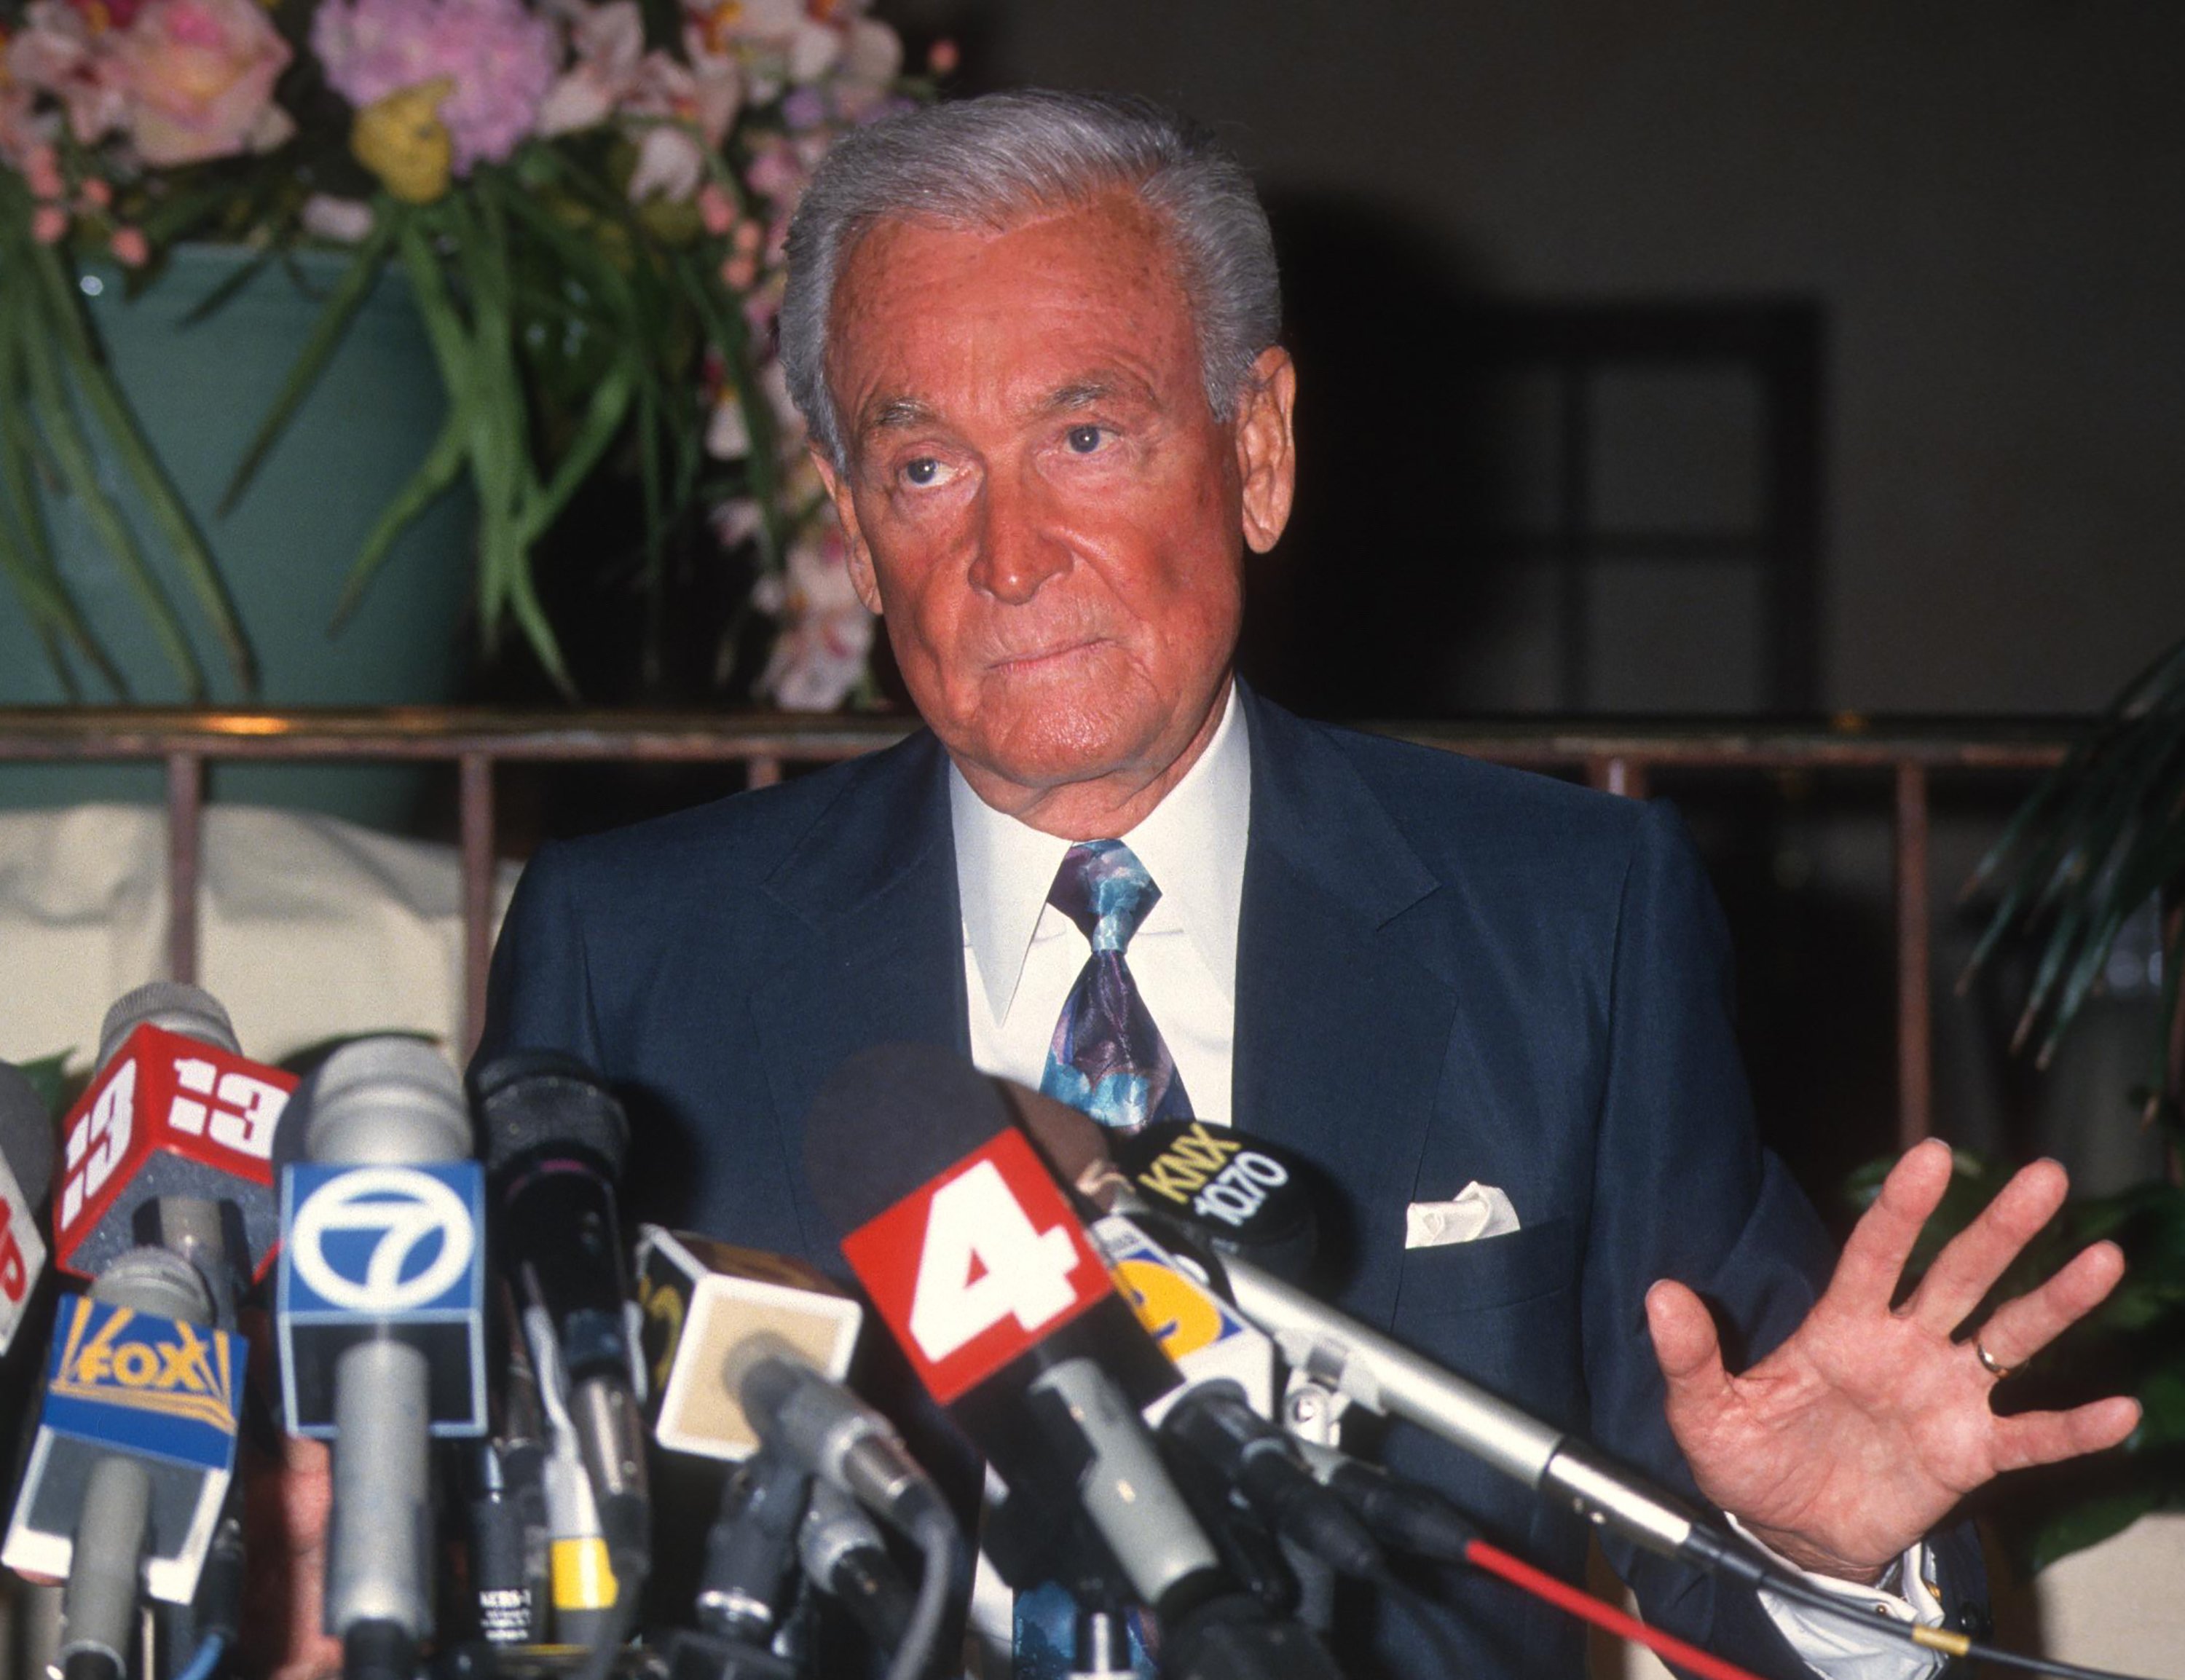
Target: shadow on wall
x=1381, y=594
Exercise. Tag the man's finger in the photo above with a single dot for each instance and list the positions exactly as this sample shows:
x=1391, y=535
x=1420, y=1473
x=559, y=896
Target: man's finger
x=1881, y=1242
x=1687, y=1347
x=2018, y=1330
x=2044, y=1437
x=1972, y=1260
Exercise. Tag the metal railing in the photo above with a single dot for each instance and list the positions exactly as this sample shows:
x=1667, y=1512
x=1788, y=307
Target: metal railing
x=1618, y=758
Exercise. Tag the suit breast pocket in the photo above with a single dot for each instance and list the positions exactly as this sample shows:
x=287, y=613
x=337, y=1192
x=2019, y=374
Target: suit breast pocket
x=1492, y=1271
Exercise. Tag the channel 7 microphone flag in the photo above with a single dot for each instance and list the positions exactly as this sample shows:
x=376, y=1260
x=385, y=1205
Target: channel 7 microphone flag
x=390, y=1246
x=168, y=1112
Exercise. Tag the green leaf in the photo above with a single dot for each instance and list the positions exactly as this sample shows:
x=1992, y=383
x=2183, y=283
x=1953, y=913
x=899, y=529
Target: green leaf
x=166, y=507
x=441, y=466
x=2101, y=834
x=79, y=473
x=326, y=337
x=223, y=294
x=604, y=417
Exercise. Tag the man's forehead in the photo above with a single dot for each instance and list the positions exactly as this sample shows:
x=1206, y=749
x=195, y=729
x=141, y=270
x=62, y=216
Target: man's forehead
x=1050, y=314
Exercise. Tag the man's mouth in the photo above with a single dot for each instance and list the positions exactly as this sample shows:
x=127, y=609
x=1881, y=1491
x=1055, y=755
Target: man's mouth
x=1037, y=659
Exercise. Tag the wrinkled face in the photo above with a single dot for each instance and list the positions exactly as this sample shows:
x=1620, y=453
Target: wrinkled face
x=1038, y=498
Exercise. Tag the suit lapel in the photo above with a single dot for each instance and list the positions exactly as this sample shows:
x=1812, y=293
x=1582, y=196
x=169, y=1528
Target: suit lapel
x=1344, y=1000
x=878, y=958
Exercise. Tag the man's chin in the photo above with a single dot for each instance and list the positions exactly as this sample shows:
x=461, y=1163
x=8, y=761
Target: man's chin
x=1059, y=751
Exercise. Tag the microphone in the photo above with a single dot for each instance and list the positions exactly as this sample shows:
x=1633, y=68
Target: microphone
x=554, y=1141
x=979, y=1269
x=1255, y=1460
x=842, y=1555
x=977, y=1264
x=699, y=1300
x=830, y=1436
x=381, y=1321
x=826, y=1431
x=1398, y=1513
x=26, y=1172
x=506, y=1482
x=749, y=1350
x=173, y=1109
x=582, y=1588
x=750, y=1554
x=133, y=1455
x=1205, y=1337
x=1379, y=1373
x=1245, y=1196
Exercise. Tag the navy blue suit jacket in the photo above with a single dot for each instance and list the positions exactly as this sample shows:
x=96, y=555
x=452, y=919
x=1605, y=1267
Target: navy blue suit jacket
x=1446, y=972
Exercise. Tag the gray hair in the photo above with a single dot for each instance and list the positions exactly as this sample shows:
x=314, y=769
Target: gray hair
x=993, y=161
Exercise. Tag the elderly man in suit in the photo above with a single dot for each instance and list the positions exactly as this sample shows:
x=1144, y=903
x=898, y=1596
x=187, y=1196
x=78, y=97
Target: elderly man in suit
x=1035, y=338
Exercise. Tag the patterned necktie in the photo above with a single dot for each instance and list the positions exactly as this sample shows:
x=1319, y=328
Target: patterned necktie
x=1107, y=1056
x=1107, y=1059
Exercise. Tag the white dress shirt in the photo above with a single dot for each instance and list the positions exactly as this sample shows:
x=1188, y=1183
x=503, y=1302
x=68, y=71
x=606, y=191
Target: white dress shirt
x=1022, y=957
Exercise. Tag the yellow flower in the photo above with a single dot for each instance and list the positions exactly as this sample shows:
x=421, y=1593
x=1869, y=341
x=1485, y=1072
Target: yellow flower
x=402, y=140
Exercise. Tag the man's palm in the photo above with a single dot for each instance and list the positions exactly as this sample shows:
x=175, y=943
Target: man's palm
x=1859, y=1434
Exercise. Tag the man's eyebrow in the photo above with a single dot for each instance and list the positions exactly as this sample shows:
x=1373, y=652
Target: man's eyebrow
x=1079, y=394
x=896, y=413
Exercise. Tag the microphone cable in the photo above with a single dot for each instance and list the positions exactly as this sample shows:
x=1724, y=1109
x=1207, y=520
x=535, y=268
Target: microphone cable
x=1942, y=1639
x=936, y=1533
x=1439, y=1532
x=614, y=1627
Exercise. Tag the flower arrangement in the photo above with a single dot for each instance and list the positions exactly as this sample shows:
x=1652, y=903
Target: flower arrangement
x=588, y=199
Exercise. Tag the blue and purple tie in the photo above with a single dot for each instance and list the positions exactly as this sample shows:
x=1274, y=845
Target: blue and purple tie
x=1108, y=1058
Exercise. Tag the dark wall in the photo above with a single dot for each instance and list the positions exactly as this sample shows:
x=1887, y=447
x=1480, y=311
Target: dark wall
x=1984, y=199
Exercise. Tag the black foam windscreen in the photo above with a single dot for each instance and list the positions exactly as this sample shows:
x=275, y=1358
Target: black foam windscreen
x=530, y=1098
x=891, y=1119
x=27, y=1134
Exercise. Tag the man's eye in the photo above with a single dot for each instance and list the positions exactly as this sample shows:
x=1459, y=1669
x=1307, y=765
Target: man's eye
x=1085, y=439
x=922, y=472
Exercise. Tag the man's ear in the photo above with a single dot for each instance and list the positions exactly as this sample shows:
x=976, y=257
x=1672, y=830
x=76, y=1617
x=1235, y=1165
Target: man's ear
x=845, y=509
x=1266, y=448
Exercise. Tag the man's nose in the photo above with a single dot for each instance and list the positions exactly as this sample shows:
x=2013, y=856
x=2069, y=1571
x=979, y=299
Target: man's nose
x=1021, y=539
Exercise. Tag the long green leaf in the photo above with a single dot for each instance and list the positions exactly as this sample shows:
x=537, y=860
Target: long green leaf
x=229, y=289
x=79, y=470
x=129, y=444
x=500, y=454
x=327, y=334
x=33, y=569
x=604, y=417
x=2089, y=893
x=441, y=466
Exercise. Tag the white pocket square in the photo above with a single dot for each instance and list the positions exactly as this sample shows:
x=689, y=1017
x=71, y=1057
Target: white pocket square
x=1478, y=1210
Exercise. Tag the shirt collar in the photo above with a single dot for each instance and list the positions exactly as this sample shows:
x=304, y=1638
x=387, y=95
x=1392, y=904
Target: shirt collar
x=1192, y=843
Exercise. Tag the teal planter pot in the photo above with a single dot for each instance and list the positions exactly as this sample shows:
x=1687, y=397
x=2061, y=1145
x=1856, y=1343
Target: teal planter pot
x=200, y=390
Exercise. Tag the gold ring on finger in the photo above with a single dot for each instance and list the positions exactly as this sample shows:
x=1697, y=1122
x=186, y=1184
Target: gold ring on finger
x=1993, y=1366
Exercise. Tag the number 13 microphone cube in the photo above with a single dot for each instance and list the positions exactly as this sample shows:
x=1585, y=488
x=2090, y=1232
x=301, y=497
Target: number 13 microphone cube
x=166, y=1115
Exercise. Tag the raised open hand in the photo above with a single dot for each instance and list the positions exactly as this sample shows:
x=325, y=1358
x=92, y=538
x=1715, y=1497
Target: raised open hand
x=1857, y=1436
